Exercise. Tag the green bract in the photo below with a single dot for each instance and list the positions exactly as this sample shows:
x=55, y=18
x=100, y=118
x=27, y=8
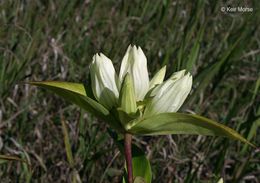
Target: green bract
x=127, y=96
x=131, y=104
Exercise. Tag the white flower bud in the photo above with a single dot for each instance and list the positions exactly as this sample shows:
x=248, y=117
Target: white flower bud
x=170, y=95
x=104, y=81
x=135, y=63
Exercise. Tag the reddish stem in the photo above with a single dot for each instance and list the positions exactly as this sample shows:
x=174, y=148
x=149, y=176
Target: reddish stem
x=128, y=155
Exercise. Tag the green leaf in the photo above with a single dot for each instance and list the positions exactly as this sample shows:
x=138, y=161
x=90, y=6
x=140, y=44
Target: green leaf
x=73, y=87
x=179, y=123
x=75, y=93
x=141, y=166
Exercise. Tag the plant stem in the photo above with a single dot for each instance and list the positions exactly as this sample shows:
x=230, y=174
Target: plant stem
x=128, y=155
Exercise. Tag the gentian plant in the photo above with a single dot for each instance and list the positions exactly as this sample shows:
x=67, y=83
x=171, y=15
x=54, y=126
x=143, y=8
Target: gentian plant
x=133, y=105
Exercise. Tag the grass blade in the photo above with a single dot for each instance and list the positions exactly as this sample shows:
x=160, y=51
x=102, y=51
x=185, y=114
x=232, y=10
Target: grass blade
x=67, y=144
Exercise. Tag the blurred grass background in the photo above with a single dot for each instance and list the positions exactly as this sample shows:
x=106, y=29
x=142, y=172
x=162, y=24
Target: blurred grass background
x=55, y=40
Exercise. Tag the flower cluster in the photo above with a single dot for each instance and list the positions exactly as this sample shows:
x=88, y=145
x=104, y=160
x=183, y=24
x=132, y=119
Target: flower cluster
x=132, y=90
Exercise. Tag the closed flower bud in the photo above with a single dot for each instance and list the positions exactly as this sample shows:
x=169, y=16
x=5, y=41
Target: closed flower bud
x=104, y=81
x=135, y=63
x=170, y=95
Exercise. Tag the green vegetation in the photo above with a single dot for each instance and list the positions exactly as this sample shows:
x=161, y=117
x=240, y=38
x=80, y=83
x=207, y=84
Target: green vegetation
x=55, y=40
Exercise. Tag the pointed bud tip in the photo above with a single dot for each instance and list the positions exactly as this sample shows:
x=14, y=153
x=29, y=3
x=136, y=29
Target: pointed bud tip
x=164, y=68
x=127, y=77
